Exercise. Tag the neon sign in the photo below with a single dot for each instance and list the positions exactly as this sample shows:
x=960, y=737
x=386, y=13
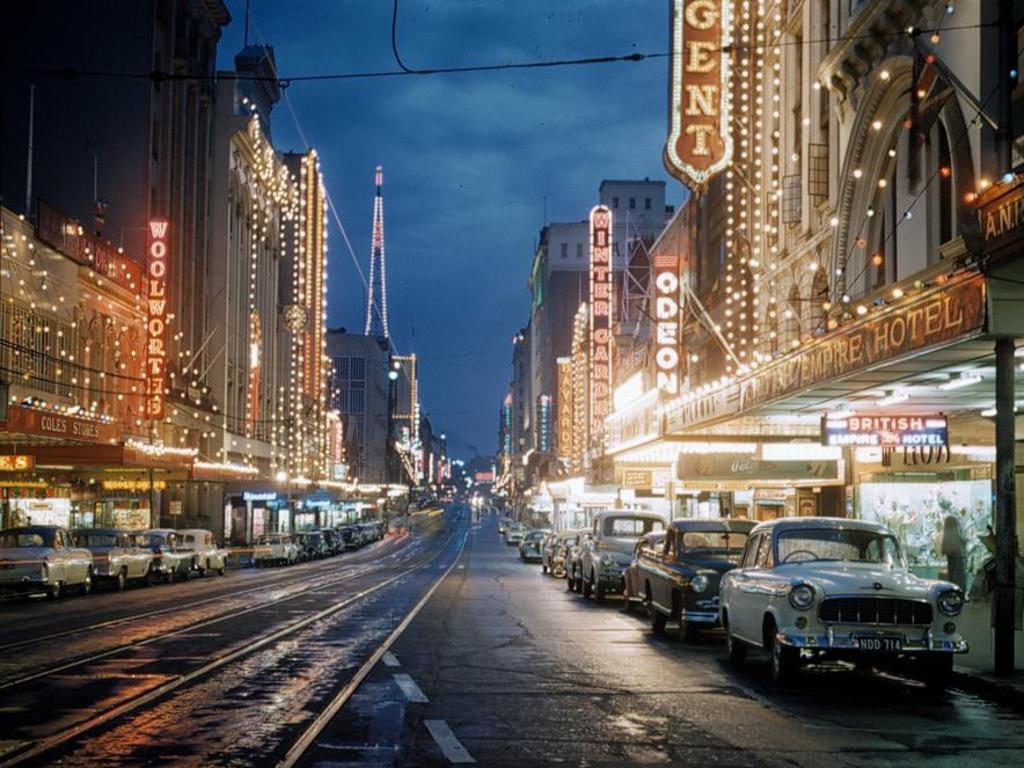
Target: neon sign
x=156, y=324
x=600, y=318
x=699, y=143
x=666, y=329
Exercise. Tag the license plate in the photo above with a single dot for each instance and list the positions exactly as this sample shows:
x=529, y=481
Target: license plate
x=880, y=643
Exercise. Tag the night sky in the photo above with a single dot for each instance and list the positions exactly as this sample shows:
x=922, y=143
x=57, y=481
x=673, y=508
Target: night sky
x=468, y=160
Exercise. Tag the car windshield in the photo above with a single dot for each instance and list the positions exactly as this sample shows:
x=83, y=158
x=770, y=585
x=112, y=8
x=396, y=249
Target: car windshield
x=713, y=542
x=268, y=540
x=20, y=539
x=846, y=544
x=631, y=527
x=96, y=539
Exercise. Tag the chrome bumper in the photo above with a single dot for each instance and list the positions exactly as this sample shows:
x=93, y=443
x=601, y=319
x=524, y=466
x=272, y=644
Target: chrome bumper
x=841, y=640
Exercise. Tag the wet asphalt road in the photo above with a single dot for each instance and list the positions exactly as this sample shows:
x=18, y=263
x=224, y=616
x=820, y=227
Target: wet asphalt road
x=218, y=671
x=506, y=668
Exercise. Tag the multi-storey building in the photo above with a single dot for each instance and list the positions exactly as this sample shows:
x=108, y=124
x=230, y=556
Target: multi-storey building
x=360, y=389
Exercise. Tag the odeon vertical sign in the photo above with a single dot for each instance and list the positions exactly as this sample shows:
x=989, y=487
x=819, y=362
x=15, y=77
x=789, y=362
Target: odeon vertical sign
x=600, y=319
x=699, y=143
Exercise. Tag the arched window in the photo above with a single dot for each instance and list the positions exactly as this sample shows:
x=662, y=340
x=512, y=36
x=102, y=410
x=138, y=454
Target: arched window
x=819, y=296
x=941, y=201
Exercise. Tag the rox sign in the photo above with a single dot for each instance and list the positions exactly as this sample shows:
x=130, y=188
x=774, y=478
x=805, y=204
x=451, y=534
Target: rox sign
x=600, y=318
x=156, y=324
x=699, y=143
x=666, y=329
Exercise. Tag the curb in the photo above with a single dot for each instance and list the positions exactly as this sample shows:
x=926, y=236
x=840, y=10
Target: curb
x=1003, y=693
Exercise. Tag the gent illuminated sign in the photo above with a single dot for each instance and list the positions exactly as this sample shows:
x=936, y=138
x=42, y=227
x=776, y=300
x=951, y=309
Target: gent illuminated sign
x=699, y=144
x=889, y=431
x=156, y=324
x=666, y=328
x=600, y=317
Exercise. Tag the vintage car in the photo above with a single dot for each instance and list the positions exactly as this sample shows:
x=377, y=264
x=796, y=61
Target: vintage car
x=531, y=546
x=116, y=554
x=333, y=542
x=556, y=547
x=574, y=562
x=633, y=585
x=610, y=549
x=503, y=524
x=679, y=580
x=279, y=548
x=312, y=544
x=208, y=556
x=170, y=559
x=43, y=558
x=813, y=588
x=515, y=534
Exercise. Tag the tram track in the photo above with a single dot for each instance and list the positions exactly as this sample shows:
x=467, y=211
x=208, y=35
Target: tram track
x=33, y=751
x=292, y=577
x=229, y=613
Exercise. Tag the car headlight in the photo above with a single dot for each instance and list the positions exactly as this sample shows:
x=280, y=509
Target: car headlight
x=801, y=597
x=607, y=560
x=951, y=602
x=699, y=583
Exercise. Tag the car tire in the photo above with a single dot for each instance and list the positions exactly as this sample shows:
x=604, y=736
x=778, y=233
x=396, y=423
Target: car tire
x=735, y=648
x=658, y=621
x=570, y=583
x=784, y=660
x=122, y=579
x=600, y=592
x=53, y=593
x=587, y=588
x=543, y=568
x=937, y=672
x=220, y=571
x=688, y=631
x=86, y=586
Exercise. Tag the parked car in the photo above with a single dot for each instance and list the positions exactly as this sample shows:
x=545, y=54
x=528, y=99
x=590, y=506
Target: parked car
x=332, y=541
x=313, y=544
x=279, y=548
x=680, y=580
x=208, y=556
x=515, y=534
x=43, y=558
x=350, y=537
x=170, y=559
x=633, y=583
x=605, y=556
x=814, y=588
x=530, y=547
x=116, y=555
x=370, y=531
x=556, y=547
x=503, y=524
x=574, y=562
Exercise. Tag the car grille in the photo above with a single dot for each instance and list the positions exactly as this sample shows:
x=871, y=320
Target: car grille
x=875, y=610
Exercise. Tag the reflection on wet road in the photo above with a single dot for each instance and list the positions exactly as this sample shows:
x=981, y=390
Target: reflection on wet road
x=229, y=678
x=520, y=672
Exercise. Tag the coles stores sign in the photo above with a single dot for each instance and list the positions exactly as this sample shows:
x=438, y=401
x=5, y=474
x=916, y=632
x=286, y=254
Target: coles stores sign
x=156, y=325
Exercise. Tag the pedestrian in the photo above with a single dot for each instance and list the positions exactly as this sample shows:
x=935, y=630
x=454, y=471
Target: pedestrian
x=955, y=550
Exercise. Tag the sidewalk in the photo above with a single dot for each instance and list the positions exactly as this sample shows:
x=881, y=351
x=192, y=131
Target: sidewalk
x=973, y=671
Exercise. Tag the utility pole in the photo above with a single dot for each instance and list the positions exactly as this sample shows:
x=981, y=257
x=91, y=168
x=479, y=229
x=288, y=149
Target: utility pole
x=1005, y=619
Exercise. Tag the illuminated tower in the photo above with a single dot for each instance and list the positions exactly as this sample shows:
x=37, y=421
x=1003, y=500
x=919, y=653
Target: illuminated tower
x=377, y=286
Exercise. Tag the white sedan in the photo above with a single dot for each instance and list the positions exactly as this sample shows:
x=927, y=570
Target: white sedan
x=277, y=548
x=43, y=558
x=812, y=588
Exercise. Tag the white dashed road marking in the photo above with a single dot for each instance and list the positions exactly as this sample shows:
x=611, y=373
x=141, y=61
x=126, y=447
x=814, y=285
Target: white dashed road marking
x=390, y=660
x=448, y=742
x=410, y=689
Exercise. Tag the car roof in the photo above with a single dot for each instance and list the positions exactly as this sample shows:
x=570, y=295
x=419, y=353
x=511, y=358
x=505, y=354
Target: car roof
x=115, y=531
x=194, y=530
x=30, y=528
x=833, y=523
x=629, y=513
x=731, y=524
x=161, y=531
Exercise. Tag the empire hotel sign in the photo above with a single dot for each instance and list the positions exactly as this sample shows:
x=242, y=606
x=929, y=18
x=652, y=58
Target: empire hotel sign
x=699, y=143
